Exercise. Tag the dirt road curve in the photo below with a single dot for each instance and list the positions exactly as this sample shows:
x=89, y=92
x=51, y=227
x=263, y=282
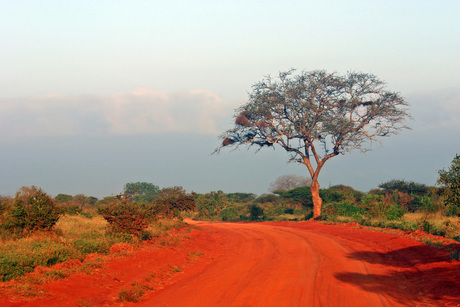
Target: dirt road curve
x=258, y=264
x=310, y=264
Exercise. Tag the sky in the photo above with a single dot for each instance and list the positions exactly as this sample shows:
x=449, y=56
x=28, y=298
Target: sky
x=96, y=94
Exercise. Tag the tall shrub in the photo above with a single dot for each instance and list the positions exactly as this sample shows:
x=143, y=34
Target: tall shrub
x=32, y=210
x=127, y=216
x=450, y=180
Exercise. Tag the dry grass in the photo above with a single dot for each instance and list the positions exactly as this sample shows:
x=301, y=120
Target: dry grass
x=437, y=224
x=74, y=237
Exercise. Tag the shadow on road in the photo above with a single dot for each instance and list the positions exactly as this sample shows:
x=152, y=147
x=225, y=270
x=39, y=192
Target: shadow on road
x=427, y=273
x=405, y=257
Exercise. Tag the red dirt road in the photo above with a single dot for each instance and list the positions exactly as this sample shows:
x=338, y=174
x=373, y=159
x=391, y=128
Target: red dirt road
x=269, y=264
x=310, y=264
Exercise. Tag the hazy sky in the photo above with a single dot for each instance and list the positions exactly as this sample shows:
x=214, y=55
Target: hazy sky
x=95, y=94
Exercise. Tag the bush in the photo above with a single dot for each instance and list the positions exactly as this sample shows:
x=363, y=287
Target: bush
x=450, y=180
x=341, y=193
x=210, y=205
x=267, y=198
x=240, y=197
x=32, y=210
x=172, y=201
x=394, y=212
x=127, y=216
x=404, y=186
x=229, y=214
x=347, y=209
x=300, y=195
x=255, y=212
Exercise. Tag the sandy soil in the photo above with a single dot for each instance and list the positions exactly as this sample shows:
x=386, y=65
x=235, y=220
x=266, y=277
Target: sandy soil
x=266, y=264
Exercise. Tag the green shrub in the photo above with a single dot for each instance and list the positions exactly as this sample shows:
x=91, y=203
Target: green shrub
x=450, y=180
x=394, y=212
x=210, y=205
x=229, y=214
x=255, y=212
x=31, y=210
x=347, y=209
x=341, y=193
x=300, y=195
x=240, y=197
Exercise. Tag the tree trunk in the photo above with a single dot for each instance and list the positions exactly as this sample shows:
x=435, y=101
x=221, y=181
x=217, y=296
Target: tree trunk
x=317, y=201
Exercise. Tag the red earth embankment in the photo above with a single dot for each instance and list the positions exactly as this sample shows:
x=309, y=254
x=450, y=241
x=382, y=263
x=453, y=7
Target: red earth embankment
x=270, y=264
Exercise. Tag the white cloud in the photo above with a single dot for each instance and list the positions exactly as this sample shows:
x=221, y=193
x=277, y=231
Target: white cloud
x=142, y=111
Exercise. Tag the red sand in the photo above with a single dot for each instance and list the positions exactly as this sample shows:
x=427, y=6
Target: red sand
x=268, y=264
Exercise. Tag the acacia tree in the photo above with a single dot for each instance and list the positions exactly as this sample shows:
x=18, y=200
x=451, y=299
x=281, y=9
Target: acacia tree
x=315, y=116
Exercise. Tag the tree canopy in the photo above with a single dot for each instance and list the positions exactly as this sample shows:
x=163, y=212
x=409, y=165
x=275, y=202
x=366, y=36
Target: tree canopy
x=141, y=191
x=404, y=186
x=450, y=180
x=315, y=116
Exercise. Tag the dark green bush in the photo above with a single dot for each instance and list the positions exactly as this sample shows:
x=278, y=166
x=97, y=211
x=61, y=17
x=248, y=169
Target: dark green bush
x=341, y=193
x=255, y=212
x=300, y=195
x=32, y=210
x=404, y=186
x=229, y=214
x=394, y=212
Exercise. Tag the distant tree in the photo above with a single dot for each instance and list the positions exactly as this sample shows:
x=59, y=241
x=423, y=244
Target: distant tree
x=62, y=198
x=289, y=182
x=239, y=197
x=315, y=116
x=106, y=200
x=92, y=200
x=450, y=180
x=408, y=187
x=141, y=191
x=80, y=199
x=267, y=198
x=171, y=201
